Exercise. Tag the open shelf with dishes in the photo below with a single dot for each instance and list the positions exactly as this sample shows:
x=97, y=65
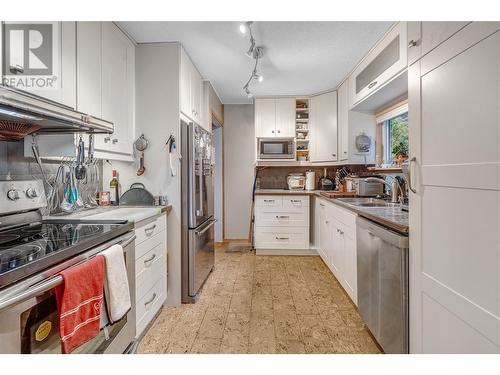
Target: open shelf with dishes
x=302, y=128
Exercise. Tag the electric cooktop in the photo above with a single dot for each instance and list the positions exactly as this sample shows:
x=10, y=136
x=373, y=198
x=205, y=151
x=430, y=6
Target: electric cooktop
x=27, y=250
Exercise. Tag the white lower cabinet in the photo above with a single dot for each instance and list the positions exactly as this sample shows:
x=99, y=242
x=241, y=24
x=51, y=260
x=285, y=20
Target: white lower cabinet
x=335, y=228
x=150, y=270
x=282, y=222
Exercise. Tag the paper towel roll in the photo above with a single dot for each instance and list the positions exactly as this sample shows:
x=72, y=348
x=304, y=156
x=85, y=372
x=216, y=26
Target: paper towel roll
x=310, y=180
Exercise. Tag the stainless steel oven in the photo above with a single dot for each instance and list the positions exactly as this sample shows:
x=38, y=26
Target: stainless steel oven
x=29, y=321
x=276, y=148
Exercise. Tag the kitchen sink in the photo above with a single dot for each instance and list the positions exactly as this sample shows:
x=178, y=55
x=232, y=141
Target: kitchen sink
x=368, y=202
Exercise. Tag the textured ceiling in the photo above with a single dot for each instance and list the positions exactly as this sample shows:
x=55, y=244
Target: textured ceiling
x=300, y=58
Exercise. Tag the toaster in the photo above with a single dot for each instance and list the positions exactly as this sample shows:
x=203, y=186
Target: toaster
x=366, y=188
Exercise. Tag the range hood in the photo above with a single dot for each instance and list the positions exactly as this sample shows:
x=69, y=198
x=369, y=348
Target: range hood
x=23, y=113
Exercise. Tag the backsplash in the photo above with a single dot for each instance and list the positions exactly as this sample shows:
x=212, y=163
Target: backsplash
x=15, y=166
x=275, y=177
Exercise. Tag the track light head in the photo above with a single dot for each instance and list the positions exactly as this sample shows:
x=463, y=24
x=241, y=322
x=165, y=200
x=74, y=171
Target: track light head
x=248, y=92
x=245, y=27
x=251, y=51
x=258, y=77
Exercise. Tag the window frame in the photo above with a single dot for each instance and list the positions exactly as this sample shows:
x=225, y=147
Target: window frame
x=383, y=119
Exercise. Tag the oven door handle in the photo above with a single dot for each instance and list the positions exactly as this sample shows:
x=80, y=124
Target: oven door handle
x=44, y=286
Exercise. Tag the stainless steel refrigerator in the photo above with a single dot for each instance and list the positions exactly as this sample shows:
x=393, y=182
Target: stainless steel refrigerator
x=197, y=209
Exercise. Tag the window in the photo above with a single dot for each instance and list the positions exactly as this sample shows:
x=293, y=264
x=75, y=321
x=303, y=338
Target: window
x=392, y=136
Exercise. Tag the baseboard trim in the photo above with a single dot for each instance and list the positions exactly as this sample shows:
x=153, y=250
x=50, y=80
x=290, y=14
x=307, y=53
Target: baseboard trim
x=297, y=252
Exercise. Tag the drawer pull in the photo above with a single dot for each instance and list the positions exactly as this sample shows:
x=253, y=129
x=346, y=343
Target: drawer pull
x=150, y=301
x=149, y=230
x=269, y=200
x=282, y=238
x=147, y=262
x=295, y=200
x=322, y=205
x=372, y=84
x=282, y=217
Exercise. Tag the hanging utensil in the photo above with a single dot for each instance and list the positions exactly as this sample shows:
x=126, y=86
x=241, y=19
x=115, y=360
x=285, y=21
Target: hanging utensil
x=80, y=168
x=141, y=144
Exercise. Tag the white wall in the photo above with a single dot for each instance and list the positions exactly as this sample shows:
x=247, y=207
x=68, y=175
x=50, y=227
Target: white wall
x=157, y=115
x=239, y=154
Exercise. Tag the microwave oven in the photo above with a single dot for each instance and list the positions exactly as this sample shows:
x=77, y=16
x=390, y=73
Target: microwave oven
x=276, y=148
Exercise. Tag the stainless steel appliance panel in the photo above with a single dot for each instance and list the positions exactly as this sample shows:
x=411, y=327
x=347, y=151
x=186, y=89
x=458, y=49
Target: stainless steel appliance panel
x=276, y=148
x=382, y=260
x=197, y=237
x=201, y=255
x=29, y=315
x=196, y=146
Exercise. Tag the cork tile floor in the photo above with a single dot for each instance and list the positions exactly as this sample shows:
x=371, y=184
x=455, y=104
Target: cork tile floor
x=263, y=304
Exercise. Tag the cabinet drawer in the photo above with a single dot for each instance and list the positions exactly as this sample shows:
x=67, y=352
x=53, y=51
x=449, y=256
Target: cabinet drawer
x=149, y=268
x=149, y=229
x=269, y=201
x=294, y=202
x=150, y=243
x=281, y=238
x=149, y=304
x=282, y=219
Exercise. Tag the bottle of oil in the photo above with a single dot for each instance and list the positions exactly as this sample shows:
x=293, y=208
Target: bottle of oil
x=114, y=197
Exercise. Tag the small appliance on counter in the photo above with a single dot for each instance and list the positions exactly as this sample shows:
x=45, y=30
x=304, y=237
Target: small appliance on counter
x=296, y=181
x=310, y=180
x=326, y=183
x=367, y=188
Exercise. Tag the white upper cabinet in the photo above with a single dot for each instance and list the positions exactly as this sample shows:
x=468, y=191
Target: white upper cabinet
x=425, y=36
x=63, y=77
x=323, y=127
x=89, y=65
x=285, y=117
x=380, y=66
x=191, y=89
x=118, y=62
x=265, y=118
x=343, y=121
x=275, y=117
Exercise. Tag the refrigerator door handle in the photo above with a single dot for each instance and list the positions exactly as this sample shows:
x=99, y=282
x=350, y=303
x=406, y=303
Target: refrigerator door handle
x=201, y=186
x=200, y=232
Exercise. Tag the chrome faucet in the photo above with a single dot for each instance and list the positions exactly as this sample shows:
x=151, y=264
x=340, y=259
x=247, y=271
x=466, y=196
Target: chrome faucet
x=396, y=190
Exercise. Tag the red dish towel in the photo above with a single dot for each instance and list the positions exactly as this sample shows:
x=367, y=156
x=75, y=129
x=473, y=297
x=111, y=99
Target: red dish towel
x=79, y=302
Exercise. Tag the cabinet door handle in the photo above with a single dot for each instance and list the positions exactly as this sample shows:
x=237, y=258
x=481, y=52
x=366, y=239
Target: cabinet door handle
x=115, y=140
x=107, y=139
x=412, y=43
x=322, y=205
x=410, y=179
x=345, y=152
x=279, y=131
x=282, y=238
x=150, y=301
x=150, y=229
x=372, y=84
x=334, y=155
x=327, y=221
x=272, y=131
x=147, y=261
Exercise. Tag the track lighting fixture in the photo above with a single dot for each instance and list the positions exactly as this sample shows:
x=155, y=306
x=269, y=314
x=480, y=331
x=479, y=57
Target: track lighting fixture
x=254, y=52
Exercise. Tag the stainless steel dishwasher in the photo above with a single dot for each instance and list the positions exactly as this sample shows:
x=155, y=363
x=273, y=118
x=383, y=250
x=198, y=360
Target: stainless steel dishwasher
x=383, y=284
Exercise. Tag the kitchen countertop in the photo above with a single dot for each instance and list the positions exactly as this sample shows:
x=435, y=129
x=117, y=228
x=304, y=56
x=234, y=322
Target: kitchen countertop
x=133, y=214
x=284, y=192
x=391, y=217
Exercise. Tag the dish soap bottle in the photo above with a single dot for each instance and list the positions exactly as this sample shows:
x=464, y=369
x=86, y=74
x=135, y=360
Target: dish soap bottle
x=114, y=197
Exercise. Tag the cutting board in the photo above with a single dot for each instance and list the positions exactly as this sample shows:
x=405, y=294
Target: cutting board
x=338, y=194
